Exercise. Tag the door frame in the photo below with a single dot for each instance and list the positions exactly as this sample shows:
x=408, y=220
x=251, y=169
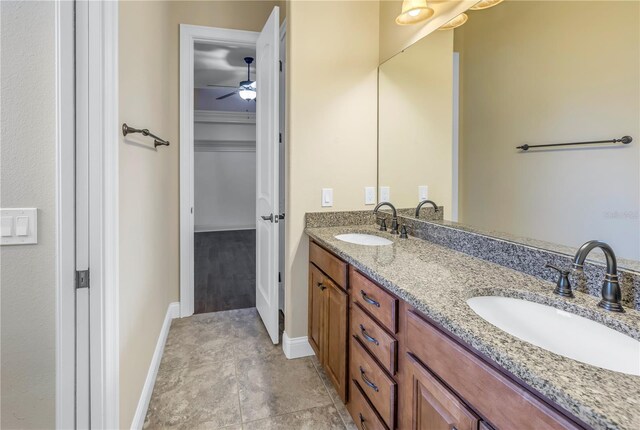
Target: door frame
x=103, y=191
x=189, y=34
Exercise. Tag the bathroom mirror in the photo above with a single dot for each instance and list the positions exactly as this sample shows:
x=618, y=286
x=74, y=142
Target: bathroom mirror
x=454, y=107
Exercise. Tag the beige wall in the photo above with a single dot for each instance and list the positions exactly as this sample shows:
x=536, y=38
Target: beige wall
x=394, y=38
x=27, y=166
x=148, y=195
x=332, y=58
x=149, y=199
x=415, y=122
x=539, y=72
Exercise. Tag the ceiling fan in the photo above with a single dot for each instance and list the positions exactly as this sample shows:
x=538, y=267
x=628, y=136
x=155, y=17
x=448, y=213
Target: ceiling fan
x=247, y=89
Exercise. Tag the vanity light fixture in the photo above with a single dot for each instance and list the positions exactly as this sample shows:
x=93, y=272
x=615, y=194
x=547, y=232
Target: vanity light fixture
x=413, y=12
x=485, y=4
x=455, y=22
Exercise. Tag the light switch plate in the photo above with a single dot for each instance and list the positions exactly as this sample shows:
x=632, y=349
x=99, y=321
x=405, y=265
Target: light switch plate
x=24, y=226
x=423, y=193
x=327, y=197
x=385, y=194
x=369, y=195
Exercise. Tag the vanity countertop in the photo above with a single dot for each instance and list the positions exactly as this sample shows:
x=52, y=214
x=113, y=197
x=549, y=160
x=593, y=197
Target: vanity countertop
x=438, y=281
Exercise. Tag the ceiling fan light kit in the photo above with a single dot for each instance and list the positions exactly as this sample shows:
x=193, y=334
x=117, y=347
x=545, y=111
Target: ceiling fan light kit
x=247, y=89
x=413, y=12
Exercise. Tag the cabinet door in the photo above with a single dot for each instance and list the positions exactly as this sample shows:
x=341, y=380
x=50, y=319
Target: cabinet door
x=335, y=323
x=316, y=311
x=433, y=406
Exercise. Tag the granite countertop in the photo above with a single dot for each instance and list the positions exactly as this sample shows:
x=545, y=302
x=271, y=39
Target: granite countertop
x=438, y=281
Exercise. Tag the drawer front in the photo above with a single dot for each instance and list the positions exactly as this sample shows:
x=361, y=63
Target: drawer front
x=376, y=340
x=382, y=305
x=363, y=414
x=478, y=383
x=335, y=268
x=379, y=388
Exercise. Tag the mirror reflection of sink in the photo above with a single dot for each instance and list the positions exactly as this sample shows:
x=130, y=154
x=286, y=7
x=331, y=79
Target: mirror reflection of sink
x=561, y=332
x=363, y=239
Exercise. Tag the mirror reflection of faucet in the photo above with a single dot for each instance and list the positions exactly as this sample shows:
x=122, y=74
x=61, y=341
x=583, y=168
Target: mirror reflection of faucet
x=424, y=202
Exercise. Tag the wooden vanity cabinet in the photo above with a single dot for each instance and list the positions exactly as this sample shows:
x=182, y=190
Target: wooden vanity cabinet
x=403, y=370
x=328, y=315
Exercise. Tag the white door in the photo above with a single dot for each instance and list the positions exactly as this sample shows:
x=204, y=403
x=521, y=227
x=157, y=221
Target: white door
x=267, y=160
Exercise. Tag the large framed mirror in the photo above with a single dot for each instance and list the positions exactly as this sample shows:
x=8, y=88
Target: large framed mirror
x=454, y=107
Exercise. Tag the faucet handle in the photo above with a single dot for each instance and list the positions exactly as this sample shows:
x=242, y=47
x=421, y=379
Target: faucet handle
x=383, y=223
x=563, y=286
x=403, y=232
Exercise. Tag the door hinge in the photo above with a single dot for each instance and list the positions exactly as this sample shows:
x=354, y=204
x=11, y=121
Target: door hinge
x=280, y=137
x=82, y=279
x=280, y=65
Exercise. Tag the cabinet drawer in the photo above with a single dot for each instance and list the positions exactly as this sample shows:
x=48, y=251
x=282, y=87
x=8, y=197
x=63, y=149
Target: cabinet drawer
x=382, y=305
x=376, y=340
x=478, y=383
x=363, y=414
x=335, y=268
x=379, y=388
x=433, y=406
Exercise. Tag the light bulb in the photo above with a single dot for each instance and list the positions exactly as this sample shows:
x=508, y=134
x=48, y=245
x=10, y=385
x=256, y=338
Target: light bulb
x=414, y=12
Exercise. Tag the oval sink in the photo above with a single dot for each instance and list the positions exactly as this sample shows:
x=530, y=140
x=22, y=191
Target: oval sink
x=363, y=239
x=561, y=332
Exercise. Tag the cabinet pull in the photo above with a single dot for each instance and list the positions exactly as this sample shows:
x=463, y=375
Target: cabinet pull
x=367, y=337
x=369, y=299
x=366, y=380
x=362, y=426
x=321, y=286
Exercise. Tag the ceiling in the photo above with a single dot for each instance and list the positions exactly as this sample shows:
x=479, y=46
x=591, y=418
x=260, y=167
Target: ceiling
x=221, y=65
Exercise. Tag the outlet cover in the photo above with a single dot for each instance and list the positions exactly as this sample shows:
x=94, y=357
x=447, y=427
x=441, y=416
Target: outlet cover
x=423, y=193
x=385, y=194
x=369, y=195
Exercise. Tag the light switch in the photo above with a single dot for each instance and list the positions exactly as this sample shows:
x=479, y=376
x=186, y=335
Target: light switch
x=369, y=195
x=22, y=226
x=7, y=226
x=423, y=193
x=19, y=226
x=385, y=194
x=327, y=197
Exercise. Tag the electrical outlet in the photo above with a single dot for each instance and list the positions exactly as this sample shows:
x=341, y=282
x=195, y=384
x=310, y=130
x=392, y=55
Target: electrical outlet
x=385, y=194
x=327, y=197
x=369, y=195
x=423, y=193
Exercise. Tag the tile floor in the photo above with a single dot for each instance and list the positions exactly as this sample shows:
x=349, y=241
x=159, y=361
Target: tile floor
x=221, y=371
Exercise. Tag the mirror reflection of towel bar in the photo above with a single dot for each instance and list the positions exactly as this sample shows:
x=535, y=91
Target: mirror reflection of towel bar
x=624, y=140
x=157, y=141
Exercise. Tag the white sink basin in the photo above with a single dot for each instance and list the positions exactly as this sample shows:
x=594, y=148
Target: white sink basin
x=363, y=239
x=561, y=332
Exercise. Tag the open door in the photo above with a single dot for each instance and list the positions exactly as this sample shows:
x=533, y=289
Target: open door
x=267, y=160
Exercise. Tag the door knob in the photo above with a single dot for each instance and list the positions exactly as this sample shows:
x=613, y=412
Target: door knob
x=267, y=218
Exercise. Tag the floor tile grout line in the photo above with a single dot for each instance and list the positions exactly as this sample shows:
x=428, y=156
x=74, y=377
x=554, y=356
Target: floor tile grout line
x=328, y=393
x=286, y=413
x=235, y=368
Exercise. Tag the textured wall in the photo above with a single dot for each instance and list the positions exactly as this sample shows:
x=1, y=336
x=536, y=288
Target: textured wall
x=27, y=178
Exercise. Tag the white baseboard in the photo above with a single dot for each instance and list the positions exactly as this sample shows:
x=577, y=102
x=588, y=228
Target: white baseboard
x=296, y=347
x=173, y=311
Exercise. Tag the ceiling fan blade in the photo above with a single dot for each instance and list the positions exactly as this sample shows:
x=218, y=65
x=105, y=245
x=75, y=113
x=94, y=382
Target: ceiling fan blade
x=227, y=95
